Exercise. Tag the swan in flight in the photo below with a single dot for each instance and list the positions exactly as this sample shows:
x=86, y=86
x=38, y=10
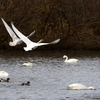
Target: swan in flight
x=77, y=86
x=29, y=44
x=28, y=64
x=69, y=60
x=16, y=40
x=3, y=74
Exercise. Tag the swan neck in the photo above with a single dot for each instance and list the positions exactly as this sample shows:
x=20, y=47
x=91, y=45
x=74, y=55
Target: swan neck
x=66, y=58
x=40, y=41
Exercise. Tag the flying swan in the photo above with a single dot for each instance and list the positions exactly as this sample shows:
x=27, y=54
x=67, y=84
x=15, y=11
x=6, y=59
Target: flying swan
x=16, y=40
x=29, y=44
x=69, y=60
x=77, y=86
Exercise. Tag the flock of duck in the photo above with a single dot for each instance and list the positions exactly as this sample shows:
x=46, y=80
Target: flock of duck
x=18, y=38
x=4, y=78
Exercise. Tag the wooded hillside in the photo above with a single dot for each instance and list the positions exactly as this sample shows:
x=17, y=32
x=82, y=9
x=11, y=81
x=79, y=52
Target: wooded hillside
x=75, y=22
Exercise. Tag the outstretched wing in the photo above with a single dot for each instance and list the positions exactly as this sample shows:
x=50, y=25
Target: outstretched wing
x=53, y=42
x=21, y=36
x=31, y=34
x=27, y=41
x=10, y=31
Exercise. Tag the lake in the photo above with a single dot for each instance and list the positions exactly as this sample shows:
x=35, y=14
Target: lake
x=50, y=75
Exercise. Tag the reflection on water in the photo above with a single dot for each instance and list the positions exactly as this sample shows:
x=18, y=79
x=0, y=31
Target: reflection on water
x=50, y=75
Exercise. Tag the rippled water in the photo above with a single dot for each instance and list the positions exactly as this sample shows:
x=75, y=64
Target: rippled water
x=50, y=75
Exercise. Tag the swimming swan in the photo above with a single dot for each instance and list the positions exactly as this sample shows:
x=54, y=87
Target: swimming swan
x=28, y=64
x=16, y=40
x=77, y=86
x=29, y=44
x=3, y=74
x=69, y=60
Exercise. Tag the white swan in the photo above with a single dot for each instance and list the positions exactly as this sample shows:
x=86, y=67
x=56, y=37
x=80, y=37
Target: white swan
x=28, y=64
x=77, y=86
x=16, y=40
x=29, y=44
x=3, y=74
x=70, y=60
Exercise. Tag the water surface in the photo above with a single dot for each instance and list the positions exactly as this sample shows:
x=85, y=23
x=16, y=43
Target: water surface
x=50, y=75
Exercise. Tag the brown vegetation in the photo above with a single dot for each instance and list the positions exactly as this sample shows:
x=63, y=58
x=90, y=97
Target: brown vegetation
x=75, y=22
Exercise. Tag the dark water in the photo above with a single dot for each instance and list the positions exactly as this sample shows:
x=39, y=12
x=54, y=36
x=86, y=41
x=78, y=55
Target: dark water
x=50, y=75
